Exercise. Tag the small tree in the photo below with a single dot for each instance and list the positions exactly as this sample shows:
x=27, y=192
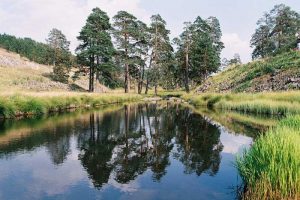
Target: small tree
x=59, y=54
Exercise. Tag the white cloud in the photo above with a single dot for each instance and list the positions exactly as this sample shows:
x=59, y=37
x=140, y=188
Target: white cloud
x=35, y=18
x=234, y=44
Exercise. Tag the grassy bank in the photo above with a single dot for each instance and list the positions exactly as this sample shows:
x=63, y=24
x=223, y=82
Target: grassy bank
x=262, y=103
x=18, y=105
x=271, y=73
x=271, y=167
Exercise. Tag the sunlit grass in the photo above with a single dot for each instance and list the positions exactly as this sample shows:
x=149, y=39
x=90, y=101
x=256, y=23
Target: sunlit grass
x=267, y=103
x=241, y=78
x=271, y=167
x=38, y=104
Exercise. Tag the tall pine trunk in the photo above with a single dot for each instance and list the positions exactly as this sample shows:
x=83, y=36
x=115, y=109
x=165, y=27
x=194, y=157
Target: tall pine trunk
x=91, y=75
x=140, y=82
x=126, y=85
x=147, y=84
x=147, y=81
x=127, y=81
x=186, y=71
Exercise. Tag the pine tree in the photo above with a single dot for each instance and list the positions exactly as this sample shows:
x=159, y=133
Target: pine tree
x=199, y=49
x=160, y=50
x=142, y=47
x=126, y=34
x=59, y=54
x=96, y=48
x=184, y=50
x=276, y=32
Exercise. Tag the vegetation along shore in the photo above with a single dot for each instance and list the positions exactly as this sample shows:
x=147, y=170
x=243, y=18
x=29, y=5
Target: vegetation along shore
x=20, y=105
x=121, y=59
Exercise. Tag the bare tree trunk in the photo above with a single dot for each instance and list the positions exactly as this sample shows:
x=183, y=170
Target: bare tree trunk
x=140, y=81
x=90, y=79
x=98, y=70
x=147, y=81
x=186, y=72
x=147, y=84
x=142, y=78
x=127, y=81
x=91, y=75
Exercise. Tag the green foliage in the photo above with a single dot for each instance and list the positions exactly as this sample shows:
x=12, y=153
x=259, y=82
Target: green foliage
x=35, y=51
x=96, y=49
x=199, y=49
x=61, y=57
x=281, y=103
x=276, y=32
x=270, y=168
x=240, y=78
x=24, y=105
x=126, y=34
x=161, y=52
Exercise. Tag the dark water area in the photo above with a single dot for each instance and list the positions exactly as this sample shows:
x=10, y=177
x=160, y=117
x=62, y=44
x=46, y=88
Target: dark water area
x=139, y=151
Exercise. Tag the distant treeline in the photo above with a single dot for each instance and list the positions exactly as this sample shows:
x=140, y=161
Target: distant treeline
x=35, y=51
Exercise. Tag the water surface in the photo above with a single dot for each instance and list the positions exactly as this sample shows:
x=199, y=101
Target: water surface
x=142, y=151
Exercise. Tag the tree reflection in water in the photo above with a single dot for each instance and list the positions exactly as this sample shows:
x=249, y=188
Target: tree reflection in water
x=124, y=144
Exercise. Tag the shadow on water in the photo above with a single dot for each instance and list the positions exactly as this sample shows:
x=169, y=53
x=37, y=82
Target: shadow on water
x=169, y=148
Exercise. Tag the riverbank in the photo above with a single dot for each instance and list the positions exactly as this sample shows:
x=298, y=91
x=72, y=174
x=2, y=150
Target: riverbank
x=275, y=103
x=270, y=168
x=34, y=104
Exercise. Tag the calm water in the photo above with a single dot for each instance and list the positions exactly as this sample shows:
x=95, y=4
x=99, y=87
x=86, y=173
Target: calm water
x=145, y=151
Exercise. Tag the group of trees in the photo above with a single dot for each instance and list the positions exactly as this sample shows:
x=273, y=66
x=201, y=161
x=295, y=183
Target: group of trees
x=199, y=49
x=143, y=56
x=60, y=57
x=146, y=52
x=276, y=32
x=128, y=50
x=236, y=60
x=55, y=52
x=35, y=51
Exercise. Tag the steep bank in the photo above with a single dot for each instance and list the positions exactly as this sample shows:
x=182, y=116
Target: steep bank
x=271, y=74
x=18, y=73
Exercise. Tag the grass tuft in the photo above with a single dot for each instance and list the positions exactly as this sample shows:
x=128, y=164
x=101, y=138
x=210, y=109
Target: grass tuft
x=271, y=167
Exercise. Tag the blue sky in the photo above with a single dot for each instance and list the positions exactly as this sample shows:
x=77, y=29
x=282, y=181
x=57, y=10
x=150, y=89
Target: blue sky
x=35, y=18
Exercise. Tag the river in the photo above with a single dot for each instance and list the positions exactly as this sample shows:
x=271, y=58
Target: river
x=136, y=151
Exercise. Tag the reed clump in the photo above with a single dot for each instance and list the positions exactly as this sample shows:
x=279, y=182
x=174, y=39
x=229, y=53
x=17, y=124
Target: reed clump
x=270, y=169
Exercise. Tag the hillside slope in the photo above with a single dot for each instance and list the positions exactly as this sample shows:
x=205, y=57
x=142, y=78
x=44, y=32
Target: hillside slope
x=19, y=74
x=271, y=74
